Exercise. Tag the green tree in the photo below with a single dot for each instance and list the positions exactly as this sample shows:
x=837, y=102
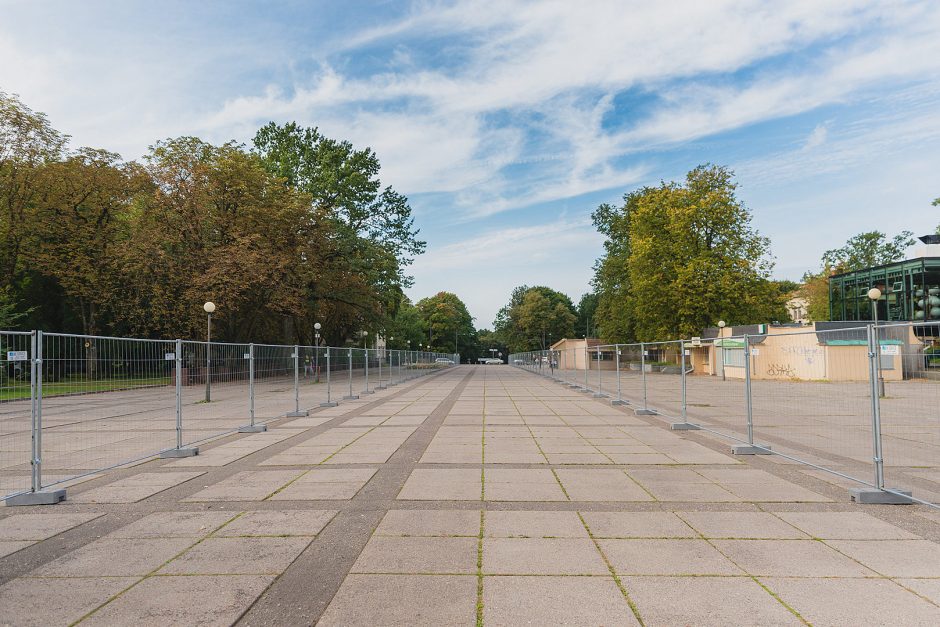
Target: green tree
x=28, y=143
x=614, y=313
x=691, y=258
x=535, y=318
x=815, y=290
x=865, y=250
x=446, y=320
x=585, y=326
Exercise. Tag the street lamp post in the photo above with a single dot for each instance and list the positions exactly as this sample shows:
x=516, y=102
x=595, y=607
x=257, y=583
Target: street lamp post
x=721, y=327
x=875, y=294
x=316, y=353
x=209, y=307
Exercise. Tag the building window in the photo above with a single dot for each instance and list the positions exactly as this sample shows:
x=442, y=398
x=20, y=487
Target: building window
x=733, y=357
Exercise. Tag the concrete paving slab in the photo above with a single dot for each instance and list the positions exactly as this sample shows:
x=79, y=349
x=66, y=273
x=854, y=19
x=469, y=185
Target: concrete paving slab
x=852, y=602
x=41, y=526
x=191, y=600
x=237, y=556
x=135, y=488
x=712, y=601
x=927, y=588
x=115, y=557
x=637, y=525
x=252, y=485
x=790, y=558
x=845, y=526
x=38, y=602
x=750, y=525
x=414, y=555
x=458, y=484
x=403, y=600
x=601, y=485
x=538, y=524
x=400, y=522
x=894, y=558
x=8, y=547
x=174, y=525
x=541, y=556
x=554, y=601
x=666, y=557
x=278, y=523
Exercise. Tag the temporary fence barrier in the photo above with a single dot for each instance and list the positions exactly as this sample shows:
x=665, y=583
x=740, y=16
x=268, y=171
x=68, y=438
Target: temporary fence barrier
x=861, y=402
x=76, y=405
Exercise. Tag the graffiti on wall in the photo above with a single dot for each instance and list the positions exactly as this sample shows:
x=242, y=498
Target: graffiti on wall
x=808, y=354
x=781, y=370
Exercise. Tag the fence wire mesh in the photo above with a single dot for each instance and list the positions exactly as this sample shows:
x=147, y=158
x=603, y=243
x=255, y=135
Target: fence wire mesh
x=73, y=405
x=861, y=402
x=17, y=398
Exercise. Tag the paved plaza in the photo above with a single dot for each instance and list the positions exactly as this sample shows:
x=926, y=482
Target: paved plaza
x=477, y=495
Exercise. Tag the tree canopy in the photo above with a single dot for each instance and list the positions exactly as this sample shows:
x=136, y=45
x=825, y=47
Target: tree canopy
x=865, y=250
x=535, y=318
x=679, y=257
x=297, y=231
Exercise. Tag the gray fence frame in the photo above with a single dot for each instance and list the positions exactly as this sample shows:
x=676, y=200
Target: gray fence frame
x=872, y=490
x=407, y=364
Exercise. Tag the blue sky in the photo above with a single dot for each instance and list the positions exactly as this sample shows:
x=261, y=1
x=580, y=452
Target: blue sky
x=506, y=123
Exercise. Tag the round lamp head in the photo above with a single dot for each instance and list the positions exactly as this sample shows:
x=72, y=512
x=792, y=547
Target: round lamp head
x=317, y=326
x=721, y=324
x=874, y=293
x=209, y=307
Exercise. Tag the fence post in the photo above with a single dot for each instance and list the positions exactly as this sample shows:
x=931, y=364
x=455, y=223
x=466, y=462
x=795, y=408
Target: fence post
x=365, y=353
x=251, y=427
x=685, y=425
x=587, y=366
x=378, y=358
x=297, y=413
x=600, y=374
x=645, y=410
x=35, y=392
x=179, y=451
x=750, y=448
x=36, y=495
x=619, y=400
x=350, y=396
x=877, y=494
x=329, y=402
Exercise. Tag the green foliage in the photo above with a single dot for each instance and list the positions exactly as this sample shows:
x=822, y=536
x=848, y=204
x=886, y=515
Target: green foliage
x=585, y=326
x=866, y=250
x=815, y=290
x=679, y=257
x=535, y=318
x=301, y=231
x=445, y=319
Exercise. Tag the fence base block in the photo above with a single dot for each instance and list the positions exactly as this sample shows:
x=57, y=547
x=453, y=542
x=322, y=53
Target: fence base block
x=297, y=414
x=252, y=428
x=367, y=392
x=351, y=397
x=43, y=497
x=381, y=387
x=600, y=395
x=873, y=496
x=745, y=449
x=329, y=404
x=684, y=426
x=619, y=401
x=645, y=412
x=180, y=452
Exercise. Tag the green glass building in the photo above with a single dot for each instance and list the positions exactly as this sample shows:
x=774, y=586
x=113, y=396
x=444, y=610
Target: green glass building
x=910, y=292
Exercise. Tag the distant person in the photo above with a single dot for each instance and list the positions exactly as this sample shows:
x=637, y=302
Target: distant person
x=308, y=366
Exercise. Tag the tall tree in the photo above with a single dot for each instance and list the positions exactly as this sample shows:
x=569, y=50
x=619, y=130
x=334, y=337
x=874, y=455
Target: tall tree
x=585, y=326
x=614, y=313
x=27, y=144
x=865, y=250
x=534, y=318
x=447, y=323
x=691, y=258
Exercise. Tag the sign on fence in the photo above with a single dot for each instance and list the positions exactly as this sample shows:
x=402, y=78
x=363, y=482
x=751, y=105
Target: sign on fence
x=17, y=355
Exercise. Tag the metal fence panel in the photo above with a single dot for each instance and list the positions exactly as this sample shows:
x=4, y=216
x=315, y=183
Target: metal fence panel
x=910, y=409
x=17, y=406
x=104, y=402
